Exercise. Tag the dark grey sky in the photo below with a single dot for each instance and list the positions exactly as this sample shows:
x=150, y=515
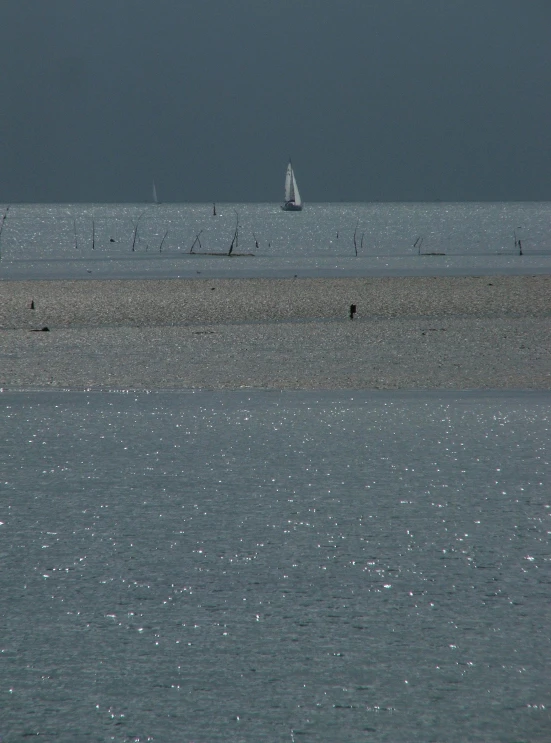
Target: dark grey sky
x=374, y=99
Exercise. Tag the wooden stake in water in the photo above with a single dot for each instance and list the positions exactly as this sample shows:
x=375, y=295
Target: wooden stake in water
x=4, y=219
x=518, y=243
x=197, y=240
x=2, y=223
x=136, y=231
x=235, y=240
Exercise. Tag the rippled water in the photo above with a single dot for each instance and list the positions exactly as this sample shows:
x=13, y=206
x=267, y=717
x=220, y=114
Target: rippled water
x=275, y=566
x=122, y=240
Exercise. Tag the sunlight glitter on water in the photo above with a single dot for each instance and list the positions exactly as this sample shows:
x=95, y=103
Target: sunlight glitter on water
x=55, y=241
x=277, y=557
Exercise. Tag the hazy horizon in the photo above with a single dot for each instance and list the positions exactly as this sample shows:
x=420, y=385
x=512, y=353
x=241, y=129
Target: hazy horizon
x=276, y=202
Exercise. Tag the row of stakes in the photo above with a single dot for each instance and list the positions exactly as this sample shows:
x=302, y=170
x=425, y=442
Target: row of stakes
x=235, y=239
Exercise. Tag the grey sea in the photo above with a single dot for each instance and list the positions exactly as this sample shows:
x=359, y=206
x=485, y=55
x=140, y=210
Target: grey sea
x=178, y=240
x=264, y=565
x=244, y=566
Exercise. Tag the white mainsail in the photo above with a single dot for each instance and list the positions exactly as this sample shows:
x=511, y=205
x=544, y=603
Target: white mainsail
x=155, y=199
x=292, y=194
x=289, y=183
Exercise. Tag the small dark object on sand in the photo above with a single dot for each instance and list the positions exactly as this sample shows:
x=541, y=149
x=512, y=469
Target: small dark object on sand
x=352, y=311
x=39, y=330
x=32, y=304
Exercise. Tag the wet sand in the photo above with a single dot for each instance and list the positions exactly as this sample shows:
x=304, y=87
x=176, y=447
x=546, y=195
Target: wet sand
x=407, y=333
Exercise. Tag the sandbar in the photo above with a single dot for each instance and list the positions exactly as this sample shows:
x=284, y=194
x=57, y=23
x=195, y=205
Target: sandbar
x=476, y=332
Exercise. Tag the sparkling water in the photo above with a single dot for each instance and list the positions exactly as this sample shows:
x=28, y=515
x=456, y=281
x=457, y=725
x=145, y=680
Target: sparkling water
x=178, y=240
x=265, y=566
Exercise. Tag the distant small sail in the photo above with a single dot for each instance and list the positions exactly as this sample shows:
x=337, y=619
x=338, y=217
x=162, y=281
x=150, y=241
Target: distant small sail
x=154, y=192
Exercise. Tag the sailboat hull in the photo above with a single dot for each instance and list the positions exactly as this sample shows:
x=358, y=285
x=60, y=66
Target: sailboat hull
x=290, y=207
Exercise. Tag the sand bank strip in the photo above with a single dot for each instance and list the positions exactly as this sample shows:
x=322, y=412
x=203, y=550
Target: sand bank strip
x=150, y=303
x=408, y=333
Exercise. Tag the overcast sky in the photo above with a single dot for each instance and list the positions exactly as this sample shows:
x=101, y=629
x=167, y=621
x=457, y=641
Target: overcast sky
x=384, y=100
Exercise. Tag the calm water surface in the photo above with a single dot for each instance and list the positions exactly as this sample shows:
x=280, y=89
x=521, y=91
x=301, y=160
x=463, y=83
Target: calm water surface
x=266, y=566
x=140, y=240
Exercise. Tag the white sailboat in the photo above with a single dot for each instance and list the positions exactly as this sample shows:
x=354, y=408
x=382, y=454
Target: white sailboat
x=154, y=194
x=293, y=202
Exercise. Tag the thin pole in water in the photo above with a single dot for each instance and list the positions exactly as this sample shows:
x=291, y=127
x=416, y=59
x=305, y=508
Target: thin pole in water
x=197, y=240
x=4, y=219
x=235, y=240
x=518, y=243
x=2, y=223
x=355, y=244
x=136, y=231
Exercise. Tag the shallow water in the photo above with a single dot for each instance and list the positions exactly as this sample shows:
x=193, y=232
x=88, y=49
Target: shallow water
x=141, y=241
x=270, y=566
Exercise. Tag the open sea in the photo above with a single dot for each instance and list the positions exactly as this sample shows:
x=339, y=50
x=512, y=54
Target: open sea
x=235, y=567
